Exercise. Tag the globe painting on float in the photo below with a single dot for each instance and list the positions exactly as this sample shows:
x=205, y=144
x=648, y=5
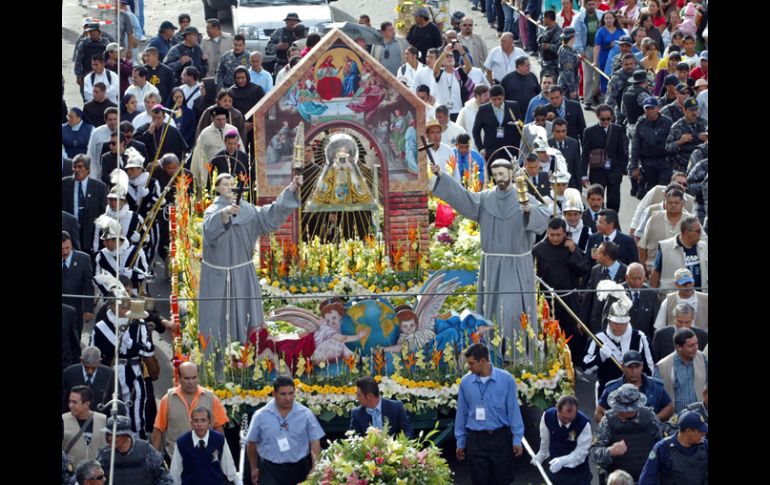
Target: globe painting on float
x=377, y=318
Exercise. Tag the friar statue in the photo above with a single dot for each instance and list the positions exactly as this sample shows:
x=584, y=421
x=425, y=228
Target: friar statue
x=230, y=233
x=508, y=230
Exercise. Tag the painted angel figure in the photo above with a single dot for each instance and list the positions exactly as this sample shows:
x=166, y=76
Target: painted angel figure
x=321, y=340
x=417, y=328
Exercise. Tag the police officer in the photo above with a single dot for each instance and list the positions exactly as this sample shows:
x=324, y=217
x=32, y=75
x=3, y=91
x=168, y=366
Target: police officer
x=565, y=437
x=648, y=148
x=680, y=459
x=619, y=83
x=188, y=53
x=136, y=462
x=685, y=135
x=283, y=38
x=626, y=434
x=549, y=42
x=675, y=109
x=631, y=110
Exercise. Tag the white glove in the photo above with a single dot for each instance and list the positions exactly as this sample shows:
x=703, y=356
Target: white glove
x=605, y=353
x=556, y=465
x=142, y=192
x=135, y=237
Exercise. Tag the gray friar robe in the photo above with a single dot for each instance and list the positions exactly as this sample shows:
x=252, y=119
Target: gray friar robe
x=228, y=250
x=506, y=244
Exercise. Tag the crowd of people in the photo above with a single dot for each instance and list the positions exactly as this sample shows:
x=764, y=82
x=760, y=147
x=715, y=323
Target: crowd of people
x=179, y=106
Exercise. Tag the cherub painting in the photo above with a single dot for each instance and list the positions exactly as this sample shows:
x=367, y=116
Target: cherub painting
x=417, y=328
x=321, y=341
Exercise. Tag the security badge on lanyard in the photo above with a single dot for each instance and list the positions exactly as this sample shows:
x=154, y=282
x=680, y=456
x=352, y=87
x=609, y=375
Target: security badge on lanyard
x=500, y=128
x=283, y=441
x=481, y=413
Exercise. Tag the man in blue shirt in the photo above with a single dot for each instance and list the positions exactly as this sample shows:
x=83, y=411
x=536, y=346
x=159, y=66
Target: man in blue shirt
x=466, y=158
x=681, y=458
x=259, y=75
x=376, y=410
x=165, y=39
x=284, y=438
x=657, y=397
x=488, y=422
x=541, y=99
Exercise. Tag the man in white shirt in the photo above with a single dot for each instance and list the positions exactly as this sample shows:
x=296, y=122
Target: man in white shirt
x=570, y=431
x=442, y=153
x=406, y=72
x=448, y=88
x=190, y=85
x=150, y=100
x=502, y=59
x=140, y=87
x=100, y=74
x=426, y=76
x=449, y=129
x=100, y=136
x=207, y=450
x=259, y=76
x=468, y=114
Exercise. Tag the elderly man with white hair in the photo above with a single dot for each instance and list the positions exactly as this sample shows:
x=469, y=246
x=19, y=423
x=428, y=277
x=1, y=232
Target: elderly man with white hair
x=151, y=99
x=257, y=74
x=92, y=373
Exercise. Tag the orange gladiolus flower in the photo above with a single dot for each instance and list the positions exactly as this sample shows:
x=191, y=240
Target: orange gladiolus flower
x=475, y=337
x=379, y=361
x=524, y=321
x=436, y=357
x=204, y=342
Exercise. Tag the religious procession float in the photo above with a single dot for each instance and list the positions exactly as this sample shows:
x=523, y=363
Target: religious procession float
x=371, y=275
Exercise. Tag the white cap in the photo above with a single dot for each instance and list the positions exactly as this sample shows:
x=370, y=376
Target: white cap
x=573, y=201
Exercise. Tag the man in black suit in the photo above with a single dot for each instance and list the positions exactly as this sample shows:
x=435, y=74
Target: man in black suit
x=76, y=279
x=494, y=119
x=70, y=224
x=83, y=197
x=568, y=110
x=539, y=179
x=89, y=372
x=646, y=302
x=608, y=229
x=376, y=410
x=570, y=148
x=70, y=344
x=607, y=268
x=150, y=134
x=610, y=175
x=595, y=199
x=663, y=341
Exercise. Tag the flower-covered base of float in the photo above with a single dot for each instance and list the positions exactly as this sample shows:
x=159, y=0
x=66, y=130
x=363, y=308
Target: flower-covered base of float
x=426, y=380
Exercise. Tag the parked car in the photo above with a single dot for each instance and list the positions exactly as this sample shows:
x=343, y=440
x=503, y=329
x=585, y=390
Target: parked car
x=220, y=9
x=258, y=19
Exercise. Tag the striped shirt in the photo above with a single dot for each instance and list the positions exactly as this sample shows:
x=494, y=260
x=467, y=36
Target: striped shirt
x=685, y=384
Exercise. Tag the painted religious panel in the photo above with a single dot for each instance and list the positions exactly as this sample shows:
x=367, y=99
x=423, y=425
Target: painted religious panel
x=336, y=84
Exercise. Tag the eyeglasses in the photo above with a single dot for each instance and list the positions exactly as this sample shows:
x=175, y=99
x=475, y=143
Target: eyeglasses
x=605, y=119
x=112, y=143
x=100, y=477
x=467, y=25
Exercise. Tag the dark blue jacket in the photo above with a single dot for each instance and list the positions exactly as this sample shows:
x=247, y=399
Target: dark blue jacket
x=201, y=468
x=392, y=411
x=76, y=142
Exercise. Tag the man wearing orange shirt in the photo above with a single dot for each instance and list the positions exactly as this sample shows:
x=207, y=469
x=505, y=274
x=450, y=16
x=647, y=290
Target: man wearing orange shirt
x=175, y=410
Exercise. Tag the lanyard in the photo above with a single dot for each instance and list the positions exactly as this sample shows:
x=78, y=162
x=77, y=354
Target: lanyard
x=484, y=390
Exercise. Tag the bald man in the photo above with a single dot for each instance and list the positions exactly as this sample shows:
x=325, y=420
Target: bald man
x=502, y=59
x=175, y=410
x=646, y=302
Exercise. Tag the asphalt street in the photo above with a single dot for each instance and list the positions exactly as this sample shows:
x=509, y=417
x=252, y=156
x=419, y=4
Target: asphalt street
x=156, y=11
